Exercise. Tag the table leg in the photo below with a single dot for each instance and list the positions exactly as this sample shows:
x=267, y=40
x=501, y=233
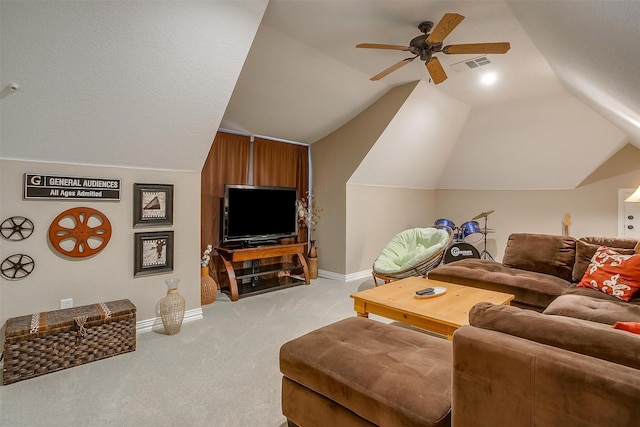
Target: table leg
x=360, y=308
x=305, y=268
x=233, y=283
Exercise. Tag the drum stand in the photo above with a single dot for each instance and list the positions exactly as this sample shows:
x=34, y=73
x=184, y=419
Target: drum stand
x=485, y=253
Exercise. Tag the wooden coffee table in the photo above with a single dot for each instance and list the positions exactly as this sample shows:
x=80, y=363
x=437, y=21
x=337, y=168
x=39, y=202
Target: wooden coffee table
x=441, y=314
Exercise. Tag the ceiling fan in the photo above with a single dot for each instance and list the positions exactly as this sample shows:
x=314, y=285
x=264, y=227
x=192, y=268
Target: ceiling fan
x=430, y=43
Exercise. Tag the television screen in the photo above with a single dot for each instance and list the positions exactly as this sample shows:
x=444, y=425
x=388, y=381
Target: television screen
x=258, y=213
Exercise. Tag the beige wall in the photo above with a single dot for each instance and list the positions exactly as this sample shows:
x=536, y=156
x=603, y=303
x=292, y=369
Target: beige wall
x=593, y=205
x=376, y=214
x=107, y=275
x=335, y=158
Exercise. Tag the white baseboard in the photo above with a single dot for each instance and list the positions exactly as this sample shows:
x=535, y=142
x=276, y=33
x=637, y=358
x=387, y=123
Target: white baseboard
x=155, y=323
x=365, y=274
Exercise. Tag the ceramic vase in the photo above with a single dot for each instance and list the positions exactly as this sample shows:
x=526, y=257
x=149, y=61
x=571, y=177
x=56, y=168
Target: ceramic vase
x=312, y=260
x=313, y=251
x=208, y=287
x=172, y=308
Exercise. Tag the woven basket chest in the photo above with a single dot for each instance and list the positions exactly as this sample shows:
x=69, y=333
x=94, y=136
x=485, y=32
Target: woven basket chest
x=47, y=342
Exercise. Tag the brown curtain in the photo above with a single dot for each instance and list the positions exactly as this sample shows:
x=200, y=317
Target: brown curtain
x=227, y=163
x=282, y=164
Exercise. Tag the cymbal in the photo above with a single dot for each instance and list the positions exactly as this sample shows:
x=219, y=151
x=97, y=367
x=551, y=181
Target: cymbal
x=483, y=214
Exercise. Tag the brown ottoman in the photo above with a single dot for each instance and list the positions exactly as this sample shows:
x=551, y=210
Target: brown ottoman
x=361, y=372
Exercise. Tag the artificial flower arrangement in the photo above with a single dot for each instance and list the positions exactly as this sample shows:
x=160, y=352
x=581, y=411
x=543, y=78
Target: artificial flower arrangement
x=206, y=256
x=308, y=212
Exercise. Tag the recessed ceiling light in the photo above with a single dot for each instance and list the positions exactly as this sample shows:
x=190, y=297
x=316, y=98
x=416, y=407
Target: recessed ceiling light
x=489, y=79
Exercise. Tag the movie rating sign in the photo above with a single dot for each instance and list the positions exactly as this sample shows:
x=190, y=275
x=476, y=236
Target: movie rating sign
x=38, y=186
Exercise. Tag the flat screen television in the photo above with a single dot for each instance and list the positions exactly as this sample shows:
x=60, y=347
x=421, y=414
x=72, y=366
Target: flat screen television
x=258, y=214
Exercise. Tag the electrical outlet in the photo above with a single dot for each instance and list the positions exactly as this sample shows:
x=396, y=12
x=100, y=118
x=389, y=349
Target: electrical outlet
x=66, y=303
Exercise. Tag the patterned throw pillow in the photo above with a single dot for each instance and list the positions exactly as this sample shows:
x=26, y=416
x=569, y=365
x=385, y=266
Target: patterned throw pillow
x=613, y=273
x=628, y=326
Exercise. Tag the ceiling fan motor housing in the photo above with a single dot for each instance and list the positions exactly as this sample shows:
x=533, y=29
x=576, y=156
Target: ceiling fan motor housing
x=425, y=26
x=419, y=46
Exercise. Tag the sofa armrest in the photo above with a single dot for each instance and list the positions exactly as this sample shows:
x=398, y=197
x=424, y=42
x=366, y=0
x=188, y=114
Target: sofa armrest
x=575, y=335
x=503, y=380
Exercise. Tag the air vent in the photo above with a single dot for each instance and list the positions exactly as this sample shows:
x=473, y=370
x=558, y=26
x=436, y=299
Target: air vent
x=470, y=64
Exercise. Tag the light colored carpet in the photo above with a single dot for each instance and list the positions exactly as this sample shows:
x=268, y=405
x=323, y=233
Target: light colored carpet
x=220, y=371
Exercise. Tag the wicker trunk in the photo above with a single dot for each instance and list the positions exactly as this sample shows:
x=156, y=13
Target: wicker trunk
x=47, y=342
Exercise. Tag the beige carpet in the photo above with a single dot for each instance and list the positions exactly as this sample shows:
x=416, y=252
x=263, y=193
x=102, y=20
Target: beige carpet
x=220, y=371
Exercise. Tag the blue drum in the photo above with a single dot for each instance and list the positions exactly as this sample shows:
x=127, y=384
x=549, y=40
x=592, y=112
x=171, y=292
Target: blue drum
x=444, y=223
x=471, y=232
x=459, y=251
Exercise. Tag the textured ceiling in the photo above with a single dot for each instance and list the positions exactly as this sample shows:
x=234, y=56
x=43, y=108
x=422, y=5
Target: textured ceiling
x=133, y=83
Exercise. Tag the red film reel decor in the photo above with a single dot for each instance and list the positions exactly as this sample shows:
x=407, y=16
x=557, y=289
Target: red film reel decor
x=80, y=232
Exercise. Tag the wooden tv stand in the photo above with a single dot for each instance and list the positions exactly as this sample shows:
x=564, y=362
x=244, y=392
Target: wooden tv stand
x=259, y=284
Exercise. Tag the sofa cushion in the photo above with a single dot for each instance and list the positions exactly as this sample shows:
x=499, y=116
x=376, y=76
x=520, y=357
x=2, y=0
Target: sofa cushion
x=529, y=288
x=596, y=294
x=594, y=309
x=384, y=373
x=577, y=335
x=613, y=273
x=541, y=253
x=587, y=246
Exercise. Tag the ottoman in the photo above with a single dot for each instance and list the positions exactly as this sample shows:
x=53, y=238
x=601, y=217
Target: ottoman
x=360, y=372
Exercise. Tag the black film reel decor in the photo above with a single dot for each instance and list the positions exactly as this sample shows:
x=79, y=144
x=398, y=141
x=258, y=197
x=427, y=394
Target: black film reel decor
x=17, y=266
x=16, y=228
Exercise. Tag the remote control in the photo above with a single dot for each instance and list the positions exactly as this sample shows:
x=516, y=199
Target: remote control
x=427, y=291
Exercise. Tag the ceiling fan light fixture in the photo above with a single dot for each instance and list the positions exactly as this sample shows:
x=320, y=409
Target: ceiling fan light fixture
x=488, y=79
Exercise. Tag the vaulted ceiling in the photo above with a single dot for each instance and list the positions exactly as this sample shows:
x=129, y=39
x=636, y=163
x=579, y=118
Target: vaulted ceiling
x=147, y=84
x=566, y=99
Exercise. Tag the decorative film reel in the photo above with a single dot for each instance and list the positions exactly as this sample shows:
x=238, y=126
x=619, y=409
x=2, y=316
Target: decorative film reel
x=16, y=228
x=16, y=267
x=80, y=232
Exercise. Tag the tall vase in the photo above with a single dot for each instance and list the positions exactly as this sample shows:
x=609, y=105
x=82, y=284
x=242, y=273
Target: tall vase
x=312, y=260
x=172, y=308
x=208, y=287
x=313, y=251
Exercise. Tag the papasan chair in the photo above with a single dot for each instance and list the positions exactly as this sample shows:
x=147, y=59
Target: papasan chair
x=412, y=252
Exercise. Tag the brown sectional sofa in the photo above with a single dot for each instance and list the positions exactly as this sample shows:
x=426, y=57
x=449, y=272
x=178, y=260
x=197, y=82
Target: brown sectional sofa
x=509, y=366
x=536, y=268
x=516, y=367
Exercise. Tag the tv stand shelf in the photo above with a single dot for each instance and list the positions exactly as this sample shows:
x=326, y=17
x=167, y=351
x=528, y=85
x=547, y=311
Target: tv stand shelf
x=258, y=283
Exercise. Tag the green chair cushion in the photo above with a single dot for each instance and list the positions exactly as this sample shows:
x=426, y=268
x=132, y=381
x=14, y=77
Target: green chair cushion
x=409, y=248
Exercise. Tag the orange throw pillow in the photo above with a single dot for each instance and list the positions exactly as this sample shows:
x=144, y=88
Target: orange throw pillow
x=613, y=273
x=628, y=326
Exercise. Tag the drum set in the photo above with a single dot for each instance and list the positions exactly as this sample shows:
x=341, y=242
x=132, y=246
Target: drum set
x=464, y=237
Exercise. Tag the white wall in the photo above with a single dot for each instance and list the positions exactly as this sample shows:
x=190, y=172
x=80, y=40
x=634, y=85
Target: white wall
x=108, y=275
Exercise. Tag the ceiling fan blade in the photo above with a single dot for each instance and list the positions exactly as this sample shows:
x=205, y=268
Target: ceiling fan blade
x=381, y=46
x=436, y=71
x=391, y=69
x=502, y=47
x=447, y=24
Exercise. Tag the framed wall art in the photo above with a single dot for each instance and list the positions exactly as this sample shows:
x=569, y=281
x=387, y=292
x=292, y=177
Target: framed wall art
x=153, y=252
x=152, y=204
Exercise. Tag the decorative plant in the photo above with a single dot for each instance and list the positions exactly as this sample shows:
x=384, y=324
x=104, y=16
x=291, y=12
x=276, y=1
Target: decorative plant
x=206, y=256
x=308, y=212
